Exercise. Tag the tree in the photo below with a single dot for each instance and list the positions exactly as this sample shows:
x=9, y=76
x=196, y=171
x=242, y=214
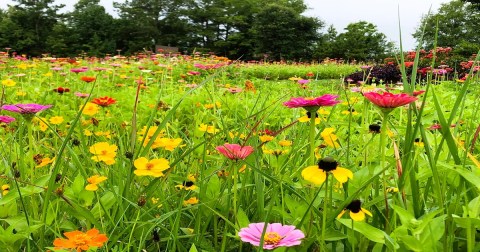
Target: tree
x=92, y=27
x=283, y=33
x=326, y=47
x=30, y=23
x=458, y=25
x=362, y=41
x=146, y=23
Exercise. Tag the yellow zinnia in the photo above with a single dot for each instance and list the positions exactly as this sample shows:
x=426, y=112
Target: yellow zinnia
x=90, y=109
x=105, y=152
x=94, y=181
x=154, y=167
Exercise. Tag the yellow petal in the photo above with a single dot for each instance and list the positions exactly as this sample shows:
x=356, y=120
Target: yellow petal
x=314, y=175
x=342, y=174
x=341, y=214
x=366, y=211
x=360, y=216
x=91, y=187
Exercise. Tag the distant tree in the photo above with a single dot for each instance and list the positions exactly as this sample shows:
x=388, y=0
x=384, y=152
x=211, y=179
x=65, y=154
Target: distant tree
x=326, y=47
x=458, y=26
x=29, y=24
x=362, y=41
x=283, y=33
x=475, y=3
x=146, y=23
x=92, y=28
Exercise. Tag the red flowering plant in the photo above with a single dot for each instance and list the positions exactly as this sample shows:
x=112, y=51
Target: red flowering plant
x=104, y=101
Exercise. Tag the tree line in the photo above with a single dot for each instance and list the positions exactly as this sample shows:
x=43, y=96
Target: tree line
x=247, y=29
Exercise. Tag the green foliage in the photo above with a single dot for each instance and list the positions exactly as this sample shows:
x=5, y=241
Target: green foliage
x=457, y=23
x=282, y=33
x=361, y=41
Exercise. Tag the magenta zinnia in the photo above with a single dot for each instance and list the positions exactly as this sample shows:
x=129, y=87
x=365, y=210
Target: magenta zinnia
x=312, y=103
x=6, y=119
x=276, y=235
x=235, y=151
x=388, y=100
x=30, y=108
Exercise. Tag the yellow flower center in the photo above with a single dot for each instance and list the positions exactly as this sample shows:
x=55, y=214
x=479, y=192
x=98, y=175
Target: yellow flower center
x=104, y=152
x=272, y=238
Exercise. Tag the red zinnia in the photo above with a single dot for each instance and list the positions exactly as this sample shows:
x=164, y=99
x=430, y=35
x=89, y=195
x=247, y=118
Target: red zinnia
x=88, y=78
x=61, y=90
x=388, y=101
x=104, y=101
x=235, y=151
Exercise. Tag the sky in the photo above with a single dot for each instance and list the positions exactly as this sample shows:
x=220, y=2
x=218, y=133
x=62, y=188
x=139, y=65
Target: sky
x=382, y=13
x=339, y=13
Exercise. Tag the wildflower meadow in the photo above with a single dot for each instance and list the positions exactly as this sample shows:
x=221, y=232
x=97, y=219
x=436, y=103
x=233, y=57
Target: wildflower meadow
x=172, y=152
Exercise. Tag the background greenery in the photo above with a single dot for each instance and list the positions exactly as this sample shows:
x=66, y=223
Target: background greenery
x=237, y=29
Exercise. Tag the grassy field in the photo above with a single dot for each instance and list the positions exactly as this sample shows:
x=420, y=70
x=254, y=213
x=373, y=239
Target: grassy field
x=131, y=156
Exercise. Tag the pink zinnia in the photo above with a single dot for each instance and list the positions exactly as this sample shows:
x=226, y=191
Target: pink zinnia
x=388, y=100
x=235, y=151
x=6, y=119
x=312, y=103
x=30, y=108
x=276, y=235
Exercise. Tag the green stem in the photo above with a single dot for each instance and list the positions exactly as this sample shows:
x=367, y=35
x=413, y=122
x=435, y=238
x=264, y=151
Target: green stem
x=324, y=217
x=383, y=134
x=312, y=136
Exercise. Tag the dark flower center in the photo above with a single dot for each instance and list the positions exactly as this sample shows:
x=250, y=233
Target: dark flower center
x=355, y=206
x=327, y=164
x=374, y=128
x=187, y=183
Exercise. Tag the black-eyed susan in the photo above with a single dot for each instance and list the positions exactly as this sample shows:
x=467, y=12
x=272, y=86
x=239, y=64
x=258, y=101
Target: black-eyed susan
x=317, y=174
x=357, y=212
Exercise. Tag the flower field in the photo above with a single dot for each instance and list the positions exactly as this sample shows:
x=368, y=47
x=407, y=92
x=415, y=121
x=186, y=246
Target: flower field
x=199, y=153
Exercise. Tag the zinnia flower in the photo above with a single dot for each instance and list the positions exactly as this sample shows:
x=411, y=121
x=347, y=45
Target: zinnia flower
x=81, y=241
x=357, y=212
x=61, y=90
x=104, y=101
x=388, y=101
x=154, y=167
x=6, y=119
x=317, y=174
x=191, y=201
x=88, y=78
x=105, y=152
x=312, y=104
x=276, y=235
x=93, y=182
x=235, y=151
x=90, y=109
x=29, y=108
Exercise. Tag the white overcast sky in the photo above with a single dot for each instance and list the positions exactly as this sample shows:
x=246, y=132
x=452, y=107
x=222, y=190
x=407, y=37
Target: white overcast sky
x=339, y=13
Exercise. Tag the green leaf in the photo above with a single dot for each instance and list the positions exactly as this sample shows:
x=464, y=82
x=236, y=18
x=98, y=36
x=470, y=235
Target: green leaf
x=405, y=216
x=106, y=202
x=371, y=233
x=193, y=248
x=334, y=235
x=242, y=218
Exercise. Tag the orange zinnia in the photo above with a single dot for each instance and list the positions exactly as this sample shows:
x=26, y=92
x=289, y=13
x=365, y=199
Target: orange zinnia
x=88, y=78
x=81, y=241
x=104, y=101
